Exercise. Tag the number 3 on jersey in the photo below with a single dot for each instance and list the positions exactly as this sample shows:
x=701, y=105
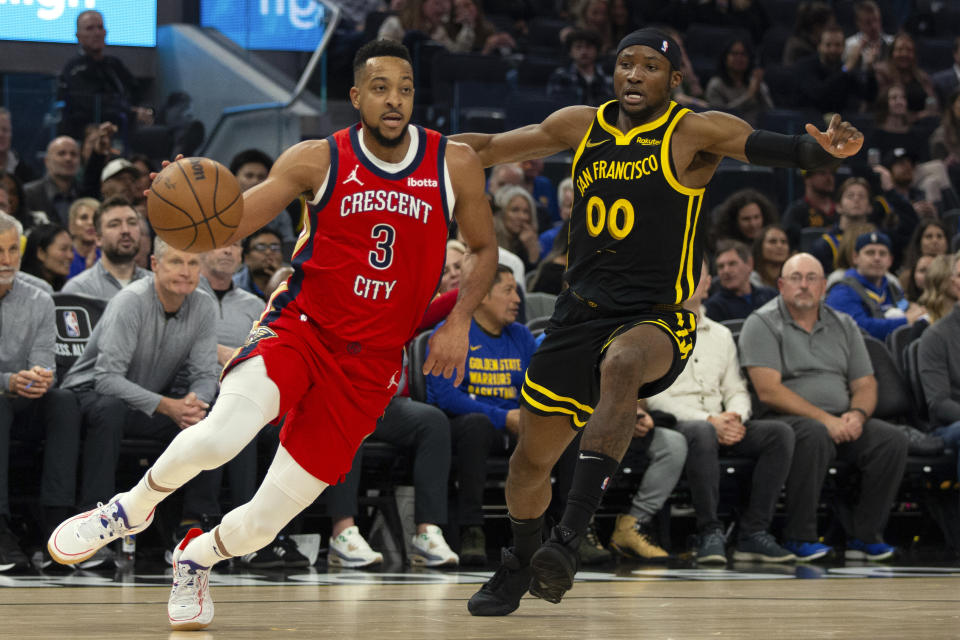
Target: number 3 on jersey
x=618, y=220
x=382, y=256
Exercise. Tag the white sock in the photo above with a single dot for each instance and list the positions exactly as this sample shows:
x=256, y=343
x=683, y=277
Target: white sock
x=141, y=500
x=204, y=550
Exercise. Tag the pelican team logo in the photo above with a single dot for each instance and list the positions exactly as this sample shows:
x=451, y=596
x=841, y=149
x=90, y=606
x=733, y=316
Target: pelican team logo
x=259, y=333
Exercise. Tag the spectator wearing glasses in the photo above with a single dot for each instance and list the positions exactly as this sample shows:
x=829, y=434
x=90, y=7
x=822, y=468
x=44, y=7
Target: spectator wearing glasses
x=809, y=365
x=262, y=256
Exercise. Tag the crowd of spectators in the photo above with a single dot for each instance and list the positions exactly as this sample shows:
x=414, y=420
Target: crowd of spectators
x=866, y=247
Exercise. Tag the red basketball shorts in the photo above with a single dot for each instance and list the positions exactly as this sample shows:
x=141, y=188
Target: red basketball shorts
x=331, y=391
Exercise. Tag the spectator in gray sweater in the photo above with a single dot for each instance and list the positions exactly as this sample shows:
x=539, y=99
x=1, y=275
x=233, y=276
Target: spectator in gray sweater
x=30, y=408
x=118, y=234
x=939, y=363
x=150, y=332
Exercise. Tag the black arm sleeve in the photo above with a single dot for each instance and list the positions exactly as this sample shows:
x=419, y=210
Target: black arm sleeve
x=796, y=152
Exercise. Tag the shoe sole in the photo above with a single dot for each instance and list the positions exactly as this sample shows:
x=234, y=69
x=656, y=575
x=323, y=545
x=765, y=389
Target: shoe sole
x=552, y=574
x=423, y=561
x=813, y=556
x=189, y=626
x=627, y=552
x=712, y=560
x=336, y=561
x=746, y=556
x=861, y=555
x=486, y=609
x=68, y=560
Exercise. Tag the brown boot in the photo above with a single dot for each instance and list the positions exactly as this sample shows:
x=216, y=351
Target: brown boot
x=630, y=539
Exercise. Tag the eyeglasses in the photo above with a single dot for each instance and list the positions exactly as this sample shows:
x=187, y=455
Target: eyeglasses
x=797, y=278
x=274, y=247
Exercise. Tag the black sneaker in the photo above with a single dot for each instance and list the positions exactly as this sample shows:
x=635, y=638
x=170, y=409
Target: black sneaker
x=473, y=547
x=12, y=557
x=265, y=558
x=501, y=594
x=554, y=564
x=286, y=548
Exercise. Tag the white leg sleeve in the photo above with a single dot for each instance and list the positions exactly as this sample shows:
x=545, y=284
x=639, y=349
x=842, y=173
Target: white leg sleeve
x=287, y=490
x=248, y=400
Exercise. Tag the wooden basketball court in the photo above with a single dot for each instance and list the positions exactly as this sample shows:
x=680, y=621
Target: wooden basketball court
x=753, y=602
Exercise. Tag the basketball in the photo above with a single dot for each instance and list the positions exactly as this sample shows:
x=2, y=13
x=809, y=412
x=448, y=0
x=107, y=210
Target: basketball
x=195, y=204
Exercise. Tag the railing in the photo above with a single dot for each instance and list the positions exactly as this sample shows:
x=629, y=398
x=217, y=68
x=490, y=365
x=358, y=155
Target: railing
x=298, y=91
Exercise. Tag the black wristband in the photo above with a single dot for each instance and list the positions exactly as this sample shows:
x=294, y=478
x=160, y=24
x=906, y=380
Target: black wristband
x=862, y=412
x=797, y=152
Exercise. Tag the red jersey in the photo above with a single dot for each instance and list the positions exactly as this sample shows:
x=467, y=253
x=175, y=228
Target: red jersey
x=372, y=250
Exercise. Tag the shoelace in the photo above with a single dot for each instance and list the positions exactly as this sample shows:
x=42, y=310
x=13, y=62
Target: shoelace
x=591, y=537
x=186, y=585
x=105, y=517
x=498, y=577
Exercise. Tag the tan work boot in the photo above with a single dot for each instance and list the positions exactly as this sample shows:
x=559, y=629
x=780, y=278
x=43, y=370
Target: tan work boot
x=629, y=539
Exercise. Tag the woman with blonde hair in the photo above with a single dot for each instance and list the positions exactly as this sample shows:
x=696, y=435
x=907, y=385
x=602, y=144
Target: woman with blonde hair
x=83, y=234
x=515, y=222
x=939, y=293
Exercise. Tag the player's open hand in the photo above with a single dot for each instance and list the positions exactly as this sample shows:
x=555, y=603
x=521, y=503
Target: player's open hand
x=841, y=139
x=163, y=165
x=448, y=350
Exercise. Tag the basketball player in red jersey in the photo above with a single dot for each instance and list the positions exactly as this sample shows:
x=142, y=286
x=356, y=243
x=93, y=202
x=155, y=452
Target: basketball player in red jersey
x=327, y=351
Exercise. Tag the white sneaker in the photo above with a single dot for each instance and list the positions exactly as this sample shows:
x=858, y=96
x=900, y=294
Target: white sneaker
x=350, y=550
x=431, y=550
x=79, y=537
x=190, y=606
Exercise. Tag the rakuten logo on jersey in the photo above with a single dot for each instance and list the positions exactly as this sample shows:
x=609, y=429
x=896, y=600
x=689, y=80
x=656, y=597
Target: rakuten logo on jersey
x=425, y=182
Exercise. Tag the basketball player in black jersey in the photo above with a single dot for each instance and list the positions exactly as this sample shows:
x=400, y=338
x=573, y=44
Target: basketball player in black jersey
x=619, y=331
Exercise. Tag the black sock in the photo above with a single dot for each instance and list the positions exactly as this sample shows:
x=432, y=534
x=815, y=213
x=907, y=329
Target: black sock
x=527, y=537
x=590, y=480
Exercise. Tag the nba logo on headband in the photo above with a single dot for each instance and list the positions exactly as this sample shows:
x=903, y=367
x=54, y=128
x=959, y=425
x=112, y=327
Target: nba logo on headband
x=664, y=46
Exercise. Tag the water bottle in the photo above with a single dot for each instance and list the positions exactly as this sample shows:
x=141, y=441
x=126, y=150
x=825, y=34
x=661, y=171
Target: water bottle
x=129, y=547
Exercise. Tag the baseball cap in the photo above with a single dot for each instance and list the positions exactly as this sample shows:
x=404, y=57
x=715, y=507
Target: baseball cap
x=897, y=154
x=117, y=166
x=874, y=237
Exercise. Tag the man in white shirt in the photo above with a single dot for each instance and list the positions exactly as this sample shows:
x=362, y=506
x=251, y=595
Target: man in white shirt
x=712, y=407
x=869, y=44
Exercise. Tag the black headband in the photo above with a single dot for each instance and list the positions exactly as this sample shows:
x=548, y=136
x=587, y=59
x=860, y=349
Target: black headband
x=656, y=40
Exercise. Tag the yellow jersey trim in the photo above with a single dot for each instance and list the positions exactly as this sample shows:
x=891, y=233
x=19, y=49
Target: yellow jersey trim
x=553, y=396
x=687, y=244
x=665, y=159
x=621, y=138
x=543, y=407
x=830, y=243
x=689, y=249
x=579, y=152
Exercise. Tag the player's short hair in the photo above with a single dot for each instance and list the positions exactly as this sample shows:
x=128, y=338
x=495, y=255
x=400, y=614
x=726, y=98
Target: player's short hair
x=250, y=156
x=728, y=244
x=8, y=222
x=110, y=203
x=377, y=49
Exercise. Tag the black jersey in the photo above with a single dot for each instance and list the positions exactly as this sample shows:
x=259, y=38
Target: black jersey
x=636, y=233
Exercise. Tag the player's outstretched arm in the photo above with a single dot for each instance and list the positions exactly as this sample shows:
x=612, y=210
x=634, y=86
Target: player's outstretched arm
x=299, y=169
x=561, y=130
x=448, y=345
x=721, y=134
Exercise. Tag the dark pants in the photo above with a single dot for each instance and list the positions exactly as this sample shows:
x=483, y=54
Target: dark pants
x=54, y=418
x=474, y=440
x=108, y=420
x=769, y=442
x=417, y=428
x=881, y=455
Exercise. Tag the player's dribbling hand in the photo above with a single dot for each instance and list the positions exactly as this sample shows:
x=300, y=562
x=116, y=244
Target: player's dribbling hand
x=448, y=351
x=841, y=139
x=163, y=165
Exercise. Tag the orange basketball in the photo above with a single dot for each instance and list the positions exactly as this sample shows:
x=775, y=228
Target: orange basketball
x=195, y=204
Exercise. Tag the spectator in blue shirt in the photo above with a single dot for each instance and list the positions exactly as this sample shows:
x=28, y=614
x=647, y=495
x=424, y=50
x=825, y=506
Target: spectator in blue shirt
x=875, y=302
x=485, y=408
x=736, y=297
